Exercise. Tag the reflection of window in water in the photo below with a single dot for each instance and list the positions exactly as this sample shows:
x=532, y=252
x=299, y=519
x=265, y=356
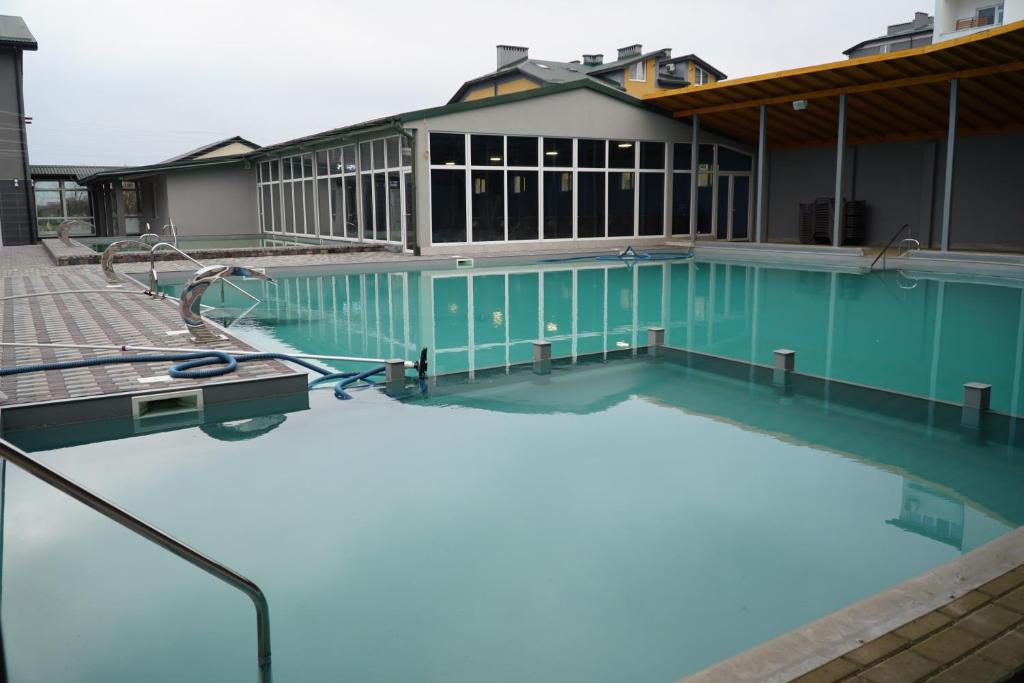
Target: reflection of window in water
x=932, y=514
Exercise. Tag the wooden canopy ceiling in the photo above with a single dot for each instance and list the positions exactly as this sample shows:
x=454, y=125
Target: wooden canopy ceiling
x=898, y=96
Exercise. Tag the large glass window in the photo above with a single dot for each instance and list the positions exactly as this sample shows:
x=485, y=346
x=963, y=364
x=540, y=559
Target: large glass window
x=570, y=189
x=652, y=155
x=523, y=204
x=621, y=154
x=394, y=204
x=558, y=152
x=591, y=153
x=488, y=206
x=351, y=208
x=590, y=214
x=380, y=228
x=558, y=207
x=621, y=193
x=447, y=149
x=680, y=203
x=652, y=204
x=487, y=150
x=522, y=151
x=448, y=205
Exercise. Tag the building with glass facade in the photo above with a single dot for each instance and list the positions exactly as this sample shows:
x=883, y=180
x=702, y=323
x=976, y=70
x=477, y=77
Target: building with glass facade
x=571, y=164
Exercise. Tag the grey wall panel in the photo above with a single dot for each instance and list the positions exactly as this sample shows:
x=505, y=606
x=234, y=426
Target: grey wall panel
x=889, y=178
x=988, y=201
x=213, y=201
x=797, y=176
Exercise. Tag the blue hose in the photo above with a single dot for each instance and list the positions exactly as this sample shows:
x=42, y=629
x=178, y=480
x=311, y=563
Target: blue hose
x=185, y=365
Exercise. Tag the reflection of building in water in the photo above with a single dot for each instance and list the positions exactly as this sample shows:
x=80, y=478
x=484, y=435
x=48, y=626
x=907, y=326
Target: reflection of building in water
x=930, y=513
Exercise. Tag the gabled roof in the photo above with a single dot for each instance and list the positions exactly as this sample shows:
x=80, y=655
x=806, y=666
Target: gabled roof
x=699, y=62
x=14, y=33
x=65, y=172
x=544, y=72
x=911, y=29
x=396, y=121
x=212, y=147
x=626, y=61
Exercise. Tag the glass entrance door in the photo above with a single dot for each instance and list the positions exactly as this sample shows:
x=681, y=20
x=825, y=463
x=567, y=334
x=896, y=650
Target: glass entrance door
x=732, y=207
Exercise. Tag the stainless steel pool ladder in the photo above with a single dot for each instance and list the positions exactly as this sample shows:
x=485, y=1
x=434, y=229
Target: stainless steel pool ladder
x=888, y=244
x=57, y=480
x=154, y=279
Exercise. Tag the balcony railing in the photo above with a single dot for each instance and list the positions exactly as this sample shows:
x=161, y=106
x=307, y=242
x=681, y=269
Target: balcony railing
x=973, y=22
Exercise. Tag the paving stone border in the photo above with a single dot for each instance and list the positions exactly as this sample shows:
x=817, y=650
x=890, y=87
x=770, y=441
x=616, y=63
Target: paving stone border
x=77, y=255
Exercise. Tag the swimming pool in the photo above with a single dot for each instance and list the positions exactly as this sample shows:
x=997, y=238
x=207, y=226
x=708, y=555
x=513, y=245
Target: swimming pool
x=924, y=334
x=187, y=243
x=621, y=518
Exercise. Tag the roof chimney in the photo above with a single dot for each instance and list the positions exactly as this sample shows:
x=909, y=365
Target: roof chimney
x=509, y=54
x=630, y=51
x=593, y=60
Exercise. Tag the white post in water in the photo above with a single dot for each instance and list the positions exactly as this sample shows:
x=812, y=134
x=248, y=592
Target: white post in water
x=785, y=363
x=542, y=357
x=655, y=339
x=785, y=360
x=977, y=397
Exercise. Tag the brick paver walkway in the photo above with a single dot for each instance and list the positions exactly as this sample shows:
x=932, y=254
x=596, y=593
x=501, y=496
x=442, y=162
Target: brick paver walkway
x=977, y=638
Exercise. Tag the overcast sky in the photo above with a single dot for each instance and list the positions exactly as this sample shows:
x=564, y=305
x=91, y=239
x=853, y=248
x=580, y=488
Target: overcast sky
x=129, y=82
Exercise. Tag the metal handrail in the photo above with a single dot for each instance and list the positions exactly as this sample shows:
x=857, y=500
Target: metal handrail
x=18, y=457
x=892, y=239
x=902, y=249
x=153, y=280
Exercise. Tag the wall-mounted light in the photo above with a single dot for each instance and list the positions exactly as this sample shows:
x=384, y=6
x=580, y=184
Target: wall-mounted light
x=495, y=158
x=552, y=153
x=799, y=105
x=625, y=145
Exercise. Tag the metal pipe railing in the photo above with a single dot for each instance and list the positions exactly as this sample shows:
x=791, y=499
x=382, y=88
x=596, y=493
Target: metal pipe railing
x=152, y=269
x=881, y=254
x=17, y=457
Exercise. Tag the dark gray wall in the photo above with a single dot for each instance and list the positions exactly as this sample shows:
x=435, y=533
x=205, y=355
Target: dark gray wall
x=988, y=193
x=902, y=182
x=213, y=201
x=795, y=177
x=17, y=207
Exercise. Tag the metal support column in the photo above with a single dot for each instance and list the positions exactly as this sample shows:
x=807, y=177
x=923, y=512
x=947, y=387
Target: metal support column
x=762, y=150
x=837, y=211
x=947, y=195
x=694, y=156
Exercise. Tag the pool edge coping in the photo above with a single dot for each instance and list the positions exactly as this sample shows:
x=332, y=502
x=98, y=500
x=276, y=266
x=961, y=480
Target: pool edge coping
x=824, y=640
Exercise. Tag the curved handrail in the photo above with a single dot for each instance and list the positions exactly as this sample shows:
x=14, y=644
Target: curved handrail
x=64, y=230
x=191, y=296
x=900, y=248
x=129, y=521
x=881, y=254
x=107, y=258
x=154, y=280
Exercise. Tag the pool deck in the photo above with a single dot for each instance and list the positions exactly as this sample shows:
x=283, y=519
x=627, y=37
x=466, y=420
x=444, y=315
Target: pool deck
x=88, y=318
x=964, y=621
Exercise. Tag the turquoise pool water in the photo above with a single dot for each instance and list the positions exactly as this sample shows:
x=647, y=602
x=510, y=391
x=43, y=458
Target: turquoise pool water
x=924, y=334
x=634, y=520
x=211, y=242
